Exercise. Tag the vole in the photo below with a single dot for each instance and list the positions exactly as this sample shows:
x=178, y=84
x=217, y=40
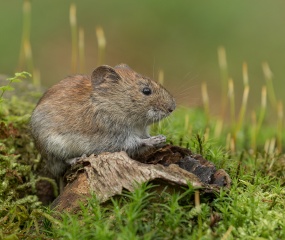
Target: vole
x=108, y=111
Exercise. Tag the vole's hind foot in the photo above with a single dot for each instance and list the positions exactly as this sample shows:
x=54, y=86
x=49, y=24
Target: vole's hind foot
x=72, y=161
x=155, y=140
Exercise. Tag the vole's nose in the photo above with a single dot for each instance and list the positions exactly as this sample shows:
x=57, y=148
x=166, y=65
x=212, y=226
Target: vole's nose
x=172, y=107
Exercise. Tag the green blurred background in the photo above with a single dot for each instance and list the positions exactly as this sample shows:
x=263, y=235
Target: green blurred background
x=179, y=37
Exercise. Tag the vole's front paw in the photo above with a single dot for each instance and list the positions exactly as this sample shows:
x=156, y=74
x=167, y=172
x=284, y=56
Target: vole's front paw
x=155, y=140
x=73, y=161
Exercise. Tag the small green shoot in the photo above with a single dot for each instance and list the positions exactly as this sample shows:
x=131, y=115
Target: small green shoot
x=15, y=79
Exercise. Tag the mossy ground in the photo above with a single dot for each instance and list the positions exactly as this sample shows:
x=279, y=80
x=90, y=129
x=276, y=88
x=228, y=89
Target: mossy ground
x=248, y=148
x=252, y=209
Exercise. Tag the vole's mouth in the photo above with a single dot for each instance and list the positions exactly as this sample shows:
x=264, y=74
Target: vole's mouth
x=155, y=115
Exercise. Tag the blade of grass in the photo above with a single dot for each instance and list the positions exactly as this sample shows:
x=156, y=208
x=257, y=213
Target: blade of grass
x=269, y=83
x=242, y=109
x=228, y=142
x=244, y=98
x=224, y=78
x=227, y=233
x=81, y=46
x=218, y=128
x=263, y=109
x=28, y=55
x=198, y=207
x=25, y=57
x=37, y=78
x=73, y=26
x=207, y=134
x=232, y=100
x=161, y=77
x=101, y=45
x=269, y=148
x=280, y=119
x=272, y=146
x=253, y=130
x=205, y=98
x=245, y=74
x=186, y=126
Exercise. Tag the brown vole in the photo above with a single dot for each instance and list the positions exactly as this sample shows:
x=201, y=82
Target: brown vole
x=107, y=111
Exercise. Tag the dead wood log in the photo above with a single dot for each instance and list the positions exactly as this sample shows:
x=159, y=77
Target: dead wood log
x=107, y=174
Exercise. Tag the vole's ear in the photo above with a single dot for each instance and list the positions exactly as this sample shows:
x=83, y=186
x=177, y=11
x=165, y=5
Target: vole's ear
x=104, y=73
x=122, y=65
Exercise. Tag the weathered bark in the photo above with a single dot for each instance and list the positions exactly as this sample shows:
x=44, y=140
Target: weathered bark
x=107, y=174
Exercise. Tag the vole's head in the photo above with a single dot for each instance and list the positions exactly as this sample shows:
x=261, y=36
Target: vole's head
x=131, y=96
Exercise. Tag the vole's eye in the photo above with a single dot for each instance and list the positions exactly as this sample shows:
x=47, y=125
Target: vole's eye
x=146, y=91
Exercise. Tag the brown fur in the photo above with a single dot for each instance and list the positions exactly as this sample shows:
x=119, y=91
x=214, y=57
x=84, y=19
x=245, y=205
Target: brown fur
x=106, y=111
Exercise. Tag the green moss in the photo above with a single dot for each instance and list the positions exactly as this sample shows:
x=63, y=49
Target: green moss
x=251, y=209
x=18, y=161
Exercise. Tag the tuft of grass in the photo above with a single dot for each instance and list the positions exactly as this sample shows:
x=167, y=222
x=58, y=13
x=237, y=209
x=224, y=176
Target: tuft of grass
x=142, y=214
x=252, y=209
x=247, y=209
